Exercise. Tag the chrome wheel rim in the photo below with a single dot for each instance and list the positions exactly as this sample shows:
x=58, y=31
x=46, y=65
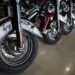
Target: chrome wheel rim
x=53, y=31
x=14, y=60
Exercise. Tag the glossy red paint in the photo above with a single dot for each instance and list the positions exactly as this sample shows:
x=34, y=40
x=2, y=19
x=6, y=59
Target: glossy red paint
x=48, y=18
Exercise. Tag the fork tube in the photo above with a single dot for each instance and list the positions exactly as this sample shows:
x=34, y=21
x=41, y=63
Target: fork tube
x=70, y=2
x=57, y=5
x=16, y=23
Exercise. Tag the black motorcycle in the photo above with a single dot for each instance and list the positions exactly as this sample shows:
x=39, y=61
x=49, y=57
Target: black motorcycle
x=18, y=42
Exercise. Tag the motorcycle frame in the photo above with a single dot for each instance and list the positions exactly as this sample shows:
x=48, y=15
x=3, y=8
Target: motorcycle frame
x=49, y=16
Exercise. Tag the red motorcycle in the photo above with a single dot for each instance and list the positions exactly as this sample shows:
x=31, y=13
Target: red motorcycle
x=45, y=13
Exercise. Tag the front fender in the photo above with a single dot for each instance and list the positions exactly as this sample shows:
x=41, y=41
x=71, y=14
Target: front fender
x=6, y=27
x=73, y=16
x=27, y=25
x=63, y=18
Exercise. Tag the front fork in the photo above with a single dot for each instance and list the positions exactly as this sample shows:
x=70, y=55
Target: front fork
x=16, y=22
x=48, y=18
x=60, y=17
x=70, y=2
x=57, y=5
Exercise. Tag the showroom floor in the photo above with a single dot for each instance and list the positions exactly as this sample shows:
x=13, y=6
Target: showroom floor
x=56, y=59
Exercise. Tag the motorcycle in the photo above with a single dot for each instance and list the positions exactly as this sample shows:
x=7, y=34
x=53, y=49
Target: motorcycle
x=65, y=15
x=45, y=13
x=18, y=40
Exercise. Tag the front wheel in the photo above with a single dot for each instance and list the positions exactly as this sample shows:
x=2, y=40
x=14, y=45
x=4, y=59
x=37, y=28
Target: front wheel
x=14, y=61
x=54, y=33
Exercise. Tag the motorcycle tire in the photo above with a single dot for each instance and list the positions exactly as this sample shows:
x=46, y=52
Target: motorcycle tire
x=57, y=37
x=18, y=63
